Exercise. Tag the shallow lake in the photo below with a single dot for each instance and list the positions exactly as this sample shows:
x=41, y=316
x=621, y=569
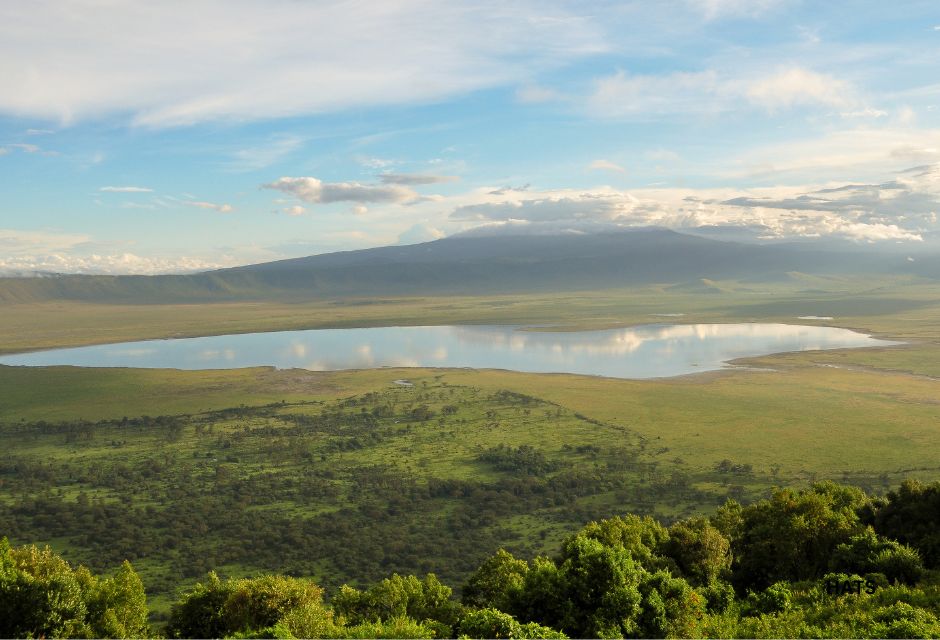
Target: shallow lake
x=646, y=351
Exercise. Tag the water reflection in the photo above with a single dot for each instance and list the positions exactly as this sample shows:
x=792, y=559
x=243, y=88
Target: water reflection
x=636, y=352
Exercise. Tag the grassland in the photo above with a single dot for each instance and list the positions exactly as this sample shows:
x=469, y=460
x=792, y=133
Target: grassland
x=233, y=457
x=897, y=306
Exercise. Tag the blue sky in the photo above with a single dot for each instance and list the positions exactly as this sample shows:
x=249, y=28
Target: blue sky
x=141, y=137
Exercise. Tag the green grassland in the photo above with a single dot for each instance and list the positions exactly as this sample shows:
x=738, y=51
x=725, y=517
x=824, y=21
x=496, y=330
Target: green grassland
x=342, y=476
x=898, y=306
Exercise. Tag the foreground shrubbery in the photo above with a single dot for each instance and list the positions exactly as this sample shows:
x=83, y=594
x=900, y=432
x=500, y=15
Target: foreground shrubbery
x=814, y=563
x=42, y=596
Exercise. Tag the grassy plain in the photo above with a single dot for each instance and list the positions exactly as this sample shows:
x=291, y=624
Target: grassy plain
x=866, y=416
x=899, y=306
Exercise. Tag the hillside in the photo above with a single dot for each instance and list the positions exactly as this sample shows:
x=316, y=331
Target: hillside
x=482, y=265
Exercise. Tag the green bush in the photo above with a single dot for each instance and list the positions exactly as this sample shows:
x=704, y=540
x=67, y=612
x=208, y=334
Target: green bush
x=491, y=623
x=398, y=597
x=496, y=583
x=217, y=609
x=42, y=596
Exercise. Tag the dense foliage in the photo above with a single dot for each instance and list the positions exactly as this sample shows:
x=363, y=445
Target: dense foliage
x=798, y=564
x=42, y=596
x=405, y=480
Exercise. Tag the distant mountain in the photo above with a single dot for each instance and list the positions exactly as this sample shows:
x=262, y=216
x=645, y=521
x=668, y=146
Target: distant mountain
x=488, y=265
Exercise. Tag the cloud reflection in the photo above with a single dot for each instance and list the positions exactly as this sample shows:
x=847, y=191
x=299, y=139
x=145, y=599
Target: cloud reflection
x=646, y=351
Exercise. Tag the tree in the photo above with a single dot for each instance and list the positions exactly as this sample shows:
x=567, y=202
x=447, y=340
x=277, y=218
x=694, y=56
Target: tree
x=398, y=596
x=910, y=515
x=491, y=623
x=215, y=609
x=670, y=608
x=117, y=607
x=868, y=552
x=42, y=596
x=639, y=536
x=792, y=536
x=700, y=552
x=592, y=592
x=496, y=583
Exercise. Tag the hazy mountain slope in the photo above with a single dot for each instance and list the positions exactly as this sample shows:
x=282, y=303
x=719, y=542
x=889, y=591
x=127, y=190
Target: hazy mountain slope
x=470, y=265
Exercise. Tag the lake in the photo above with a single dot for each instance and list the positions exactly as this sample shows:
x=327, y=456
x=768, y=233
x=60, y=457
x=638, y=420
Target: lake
x=646, y=351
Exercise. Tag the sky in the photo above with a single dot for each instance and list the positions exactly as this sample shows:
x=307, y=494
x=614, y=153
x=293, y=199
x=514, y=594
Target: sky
x=153, y=137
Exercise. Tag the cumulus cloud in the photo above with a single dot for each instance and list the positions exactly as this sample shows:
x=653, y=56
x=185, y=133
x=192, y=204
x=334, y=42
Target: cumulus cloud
x=414, y=178
x=123, y=263
x=28, y=252
x=221, y=208
x=625, y=95
x=315, y=191
x=251, y=59
x=419, y=233
x=899, y=209
x=898, y=198
x=296, y=210
x=795, y=86
x=126, y=189
x=606, y=165
x=861, y=153
x=549, y=208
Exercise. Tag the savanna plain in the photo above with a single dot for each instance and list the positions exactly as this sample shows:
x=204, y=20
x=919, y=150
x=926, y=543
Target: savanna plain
x=348, y=477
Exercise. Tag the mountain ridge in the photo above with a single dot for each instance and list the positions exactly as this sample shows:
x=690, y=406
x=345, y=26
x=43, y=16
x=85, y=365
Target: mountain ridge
x=480, y=265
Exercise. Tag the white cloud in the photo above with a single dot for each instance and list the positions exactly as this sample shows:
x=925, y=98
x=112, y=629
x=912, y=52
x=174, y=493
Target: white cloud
x=264, y=155
x=713, y=9
x=708, y=92
x=906, y=116
x=313, y=190
x=221, y=208
x=251, y=59
x=623, y=94
x=25, y=148
x=796, y=86
x=606, y=165
x=899, y=209
x=375, y=163
x=851, y=154
x=126, y=189
x=124, y=263
x=296, y=210
x=15, y=242
x=419, y=233
x=414, y=178
x=867, y=112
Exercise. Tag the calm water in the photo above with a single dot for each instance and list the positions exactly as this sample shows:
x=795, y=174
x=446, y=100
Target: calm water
x=647, y=351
